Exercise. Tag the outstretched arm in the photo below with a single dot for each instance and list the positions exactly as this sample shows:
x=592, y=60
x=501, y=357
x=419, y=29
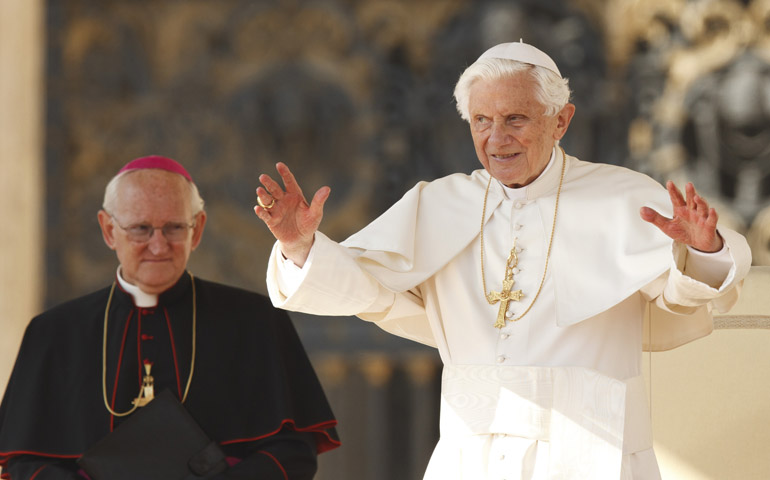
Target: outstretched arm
x=694, y=223
x=292, y=221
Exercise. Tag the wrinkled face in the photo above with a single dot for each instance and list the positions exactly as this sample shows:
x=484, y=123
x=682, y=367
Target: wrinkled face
x=512, y=136
x=154, y=198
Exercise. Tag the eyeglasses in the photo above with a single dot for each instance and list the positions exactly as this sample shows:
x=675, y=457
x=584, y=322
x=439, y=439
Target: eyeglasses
x=142, y=232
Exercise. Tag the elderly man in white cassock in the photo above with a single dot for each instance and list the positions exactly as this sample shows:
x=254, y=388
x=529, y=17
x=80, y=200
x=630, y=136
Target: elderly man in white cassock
x=540, y=279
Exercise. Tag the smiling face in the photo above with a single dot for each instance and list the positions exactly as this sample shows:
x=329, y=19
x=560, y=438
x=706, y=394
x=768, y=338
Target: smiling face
x=157, y=198
x=512, y=135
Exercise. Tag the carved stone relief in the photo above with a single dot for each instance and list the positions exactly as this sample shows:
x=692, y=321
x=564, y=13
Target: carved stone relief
x=699, y=79
x=355, y=95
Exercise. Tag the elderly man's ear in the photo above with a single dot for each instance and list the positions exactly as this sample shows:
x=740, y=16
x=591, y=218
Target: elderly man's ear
x=107, y=227
x=200, y=223
x=564, y=119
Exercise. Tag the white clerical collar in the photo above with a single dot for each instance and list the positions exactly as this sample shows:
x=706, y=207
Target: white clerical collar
x=141, y=299
x=519, y=193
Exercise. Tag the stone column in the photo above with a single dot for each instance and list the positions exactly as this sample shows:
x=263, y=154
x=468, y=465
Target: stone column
x=21, y=172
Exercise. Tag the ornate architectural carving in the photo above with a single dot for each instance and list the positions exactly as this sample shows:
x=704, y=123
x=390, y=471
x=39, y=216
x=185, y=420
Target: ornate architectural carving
x=354, y=95
x=699, y=78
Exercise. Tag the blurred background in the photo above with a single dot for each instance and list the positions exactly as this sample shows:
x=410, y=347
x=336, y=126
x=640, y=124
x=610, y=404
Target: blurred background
x=357, y=95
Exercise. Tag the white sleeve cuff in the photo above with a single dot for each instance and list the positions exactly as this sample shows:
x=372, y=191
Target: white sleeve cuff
x=289, y=276
x=709, y=268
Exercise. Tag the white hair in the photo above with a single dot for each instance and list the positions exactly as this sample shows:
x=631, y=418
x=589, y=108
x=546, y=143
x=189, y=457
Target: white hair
x=110, y=202
x=552, y=91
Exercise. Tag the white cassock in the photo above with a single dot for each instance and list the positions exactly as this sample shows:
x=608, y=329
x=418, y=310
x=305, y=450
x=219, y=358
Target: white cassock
x=559, y=393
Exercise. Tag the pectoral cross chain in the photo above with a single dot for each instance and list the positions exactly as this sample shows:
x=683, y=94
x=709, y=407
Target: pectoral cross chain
x=504, y=296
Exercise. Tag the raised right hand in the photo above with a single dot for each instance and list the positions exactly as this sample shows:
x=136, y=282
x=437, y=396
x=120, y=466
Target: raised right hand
x=287, y=214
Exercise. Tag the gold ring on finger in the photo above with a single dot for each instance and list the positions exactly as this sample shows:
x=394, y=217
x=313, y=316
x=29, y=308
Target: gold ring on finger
x=266, y=207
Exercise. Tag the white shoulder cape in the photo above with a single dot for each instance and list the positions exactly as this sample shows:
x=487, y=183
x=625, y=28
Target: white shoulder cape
x=599, y=233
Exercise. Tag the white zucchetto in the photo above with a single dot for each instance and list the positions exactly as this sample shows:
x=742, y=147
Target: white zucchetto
x=522, y=52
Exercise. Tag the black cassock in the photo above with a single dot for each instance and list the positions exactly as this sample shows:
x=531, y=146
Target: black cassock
x=253, y=389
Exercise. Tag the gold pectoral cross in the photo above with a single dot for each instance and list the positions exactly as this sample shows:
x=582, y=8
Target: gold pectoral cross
x=504, y=296
x=148, y=388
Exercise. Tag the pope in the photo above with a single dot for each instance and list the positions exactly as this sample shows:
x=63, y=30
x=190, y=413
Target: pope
x=540, y=279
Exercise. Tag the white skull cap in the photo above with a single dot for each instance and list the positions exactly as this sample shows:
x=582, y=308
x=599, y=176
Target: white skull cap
x=522, y=52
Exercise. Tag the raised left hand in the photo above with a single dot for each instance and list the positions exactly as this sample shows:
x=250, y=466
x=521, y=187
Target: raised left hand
x=694, y=223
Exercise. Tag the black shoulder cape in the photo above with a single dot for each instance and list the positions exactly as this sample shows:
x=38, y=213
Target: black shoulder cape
x=251, y=375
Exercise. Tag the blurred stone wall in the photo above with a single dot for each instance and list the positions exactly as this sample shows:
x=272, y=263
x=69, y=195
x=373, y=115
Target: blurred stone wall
x=21, y=173
x=355, y=95
x=358, y=95
x=697, y=103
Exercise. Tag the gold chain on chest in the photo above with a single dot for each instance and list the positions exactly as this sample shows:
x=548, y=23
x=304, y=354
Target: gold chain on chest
x=147, y=382
x=506, y=294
